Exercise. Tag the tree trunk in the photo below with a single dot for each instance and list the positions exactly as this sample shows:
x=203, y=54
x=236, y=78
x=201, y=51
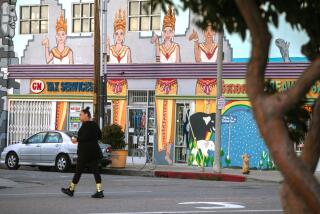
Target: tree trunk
x=301, y=190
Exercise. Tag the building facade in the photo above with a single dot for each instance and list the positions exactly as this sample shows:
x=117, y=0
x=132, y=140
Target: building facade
x=163, y=94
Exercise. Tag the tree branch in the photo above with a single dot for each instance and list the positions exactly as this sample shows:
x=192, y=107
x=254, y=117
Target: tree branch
x=311, y=151
x=292, y=202
x=296, y=175
x=286, y=99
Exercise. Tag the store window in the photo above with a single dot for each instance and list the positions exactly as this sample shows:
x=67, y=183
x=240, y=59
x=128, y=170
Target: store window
x=74, y=115
x=141, y=17
x=82, y=17
x=34, y=19
x=108, y=114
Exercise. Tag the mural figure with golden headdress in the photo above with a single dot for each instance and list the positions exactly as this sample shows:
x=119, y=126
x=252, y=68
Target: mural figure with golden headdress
x=59, y=54
x=168, y=51
x=206, y=51
x=119, y=53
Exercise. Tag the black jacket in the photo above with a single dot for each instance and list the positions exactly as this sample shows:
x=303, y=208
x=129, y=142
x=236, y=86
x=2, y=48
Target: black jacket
x=88, y=136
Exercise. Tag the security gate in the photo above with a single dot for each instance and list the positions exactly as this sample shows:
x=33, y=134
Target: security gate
x=26, y=118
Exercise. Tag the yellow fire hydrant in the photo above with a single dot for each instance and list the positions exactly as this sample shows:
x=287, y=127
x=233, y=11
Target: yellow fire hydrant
x=245, y=164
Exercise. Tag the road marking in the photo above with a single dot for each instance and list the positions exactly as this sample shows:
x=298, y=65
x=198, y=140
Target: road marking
x=217, y=205
x=60, y=193
x=199, y=211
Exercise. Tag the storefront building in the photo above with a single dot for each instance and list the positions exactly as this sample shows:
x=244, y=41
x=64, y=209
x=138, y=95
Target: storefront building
x=172, y=117
x=160, y=89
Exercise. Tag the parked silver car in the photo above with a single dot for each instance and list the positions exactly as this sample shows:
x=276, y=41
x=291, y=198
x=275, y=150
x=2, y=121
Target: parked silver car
x=47, y=149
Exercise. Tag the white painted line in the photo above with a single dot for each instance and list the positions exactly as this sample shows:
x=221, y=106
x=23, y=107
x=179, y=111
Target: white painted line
x=194, y=211
x=76, y=193
x=217, y=205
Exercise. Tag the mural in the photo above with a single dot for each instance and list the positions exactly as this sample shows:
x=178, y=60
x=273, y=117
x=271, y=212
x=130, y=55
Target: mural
x=206, y=51
x=284, y=49
x=61, y=54
x=168, y=51
x=165, y=109
x=240, y=135
x=117, y=91
x=202, y=125
x=202, y=148
x=119, y=53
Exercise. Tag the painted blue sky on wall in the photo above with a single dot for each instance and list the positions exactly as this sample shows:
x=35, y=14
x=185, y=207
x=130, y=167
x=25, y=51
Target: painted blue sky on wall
x=241, y=49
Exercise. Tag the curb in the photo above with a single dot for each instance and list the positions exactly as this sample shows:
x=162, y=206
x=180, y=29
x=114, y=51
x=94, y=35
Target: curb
x=200, y=176
x=177, y=175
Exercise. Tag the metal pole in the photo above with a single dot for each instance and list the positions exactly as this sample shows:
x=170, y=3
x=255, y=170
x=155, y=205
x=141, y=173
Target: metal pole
x=216, y=165
x=104, y=73
x=102, y=61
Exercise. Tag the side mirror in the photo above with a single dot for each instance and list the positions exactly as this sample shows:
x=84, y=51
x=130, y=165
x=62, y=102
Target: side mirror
x=24, y=141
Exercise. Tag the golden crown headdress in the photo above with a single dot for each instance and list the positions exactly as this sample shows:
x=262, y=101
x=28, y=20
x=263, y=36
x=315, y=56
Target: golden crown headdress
x=61, y=24
x=169, y=19
x=120, y=20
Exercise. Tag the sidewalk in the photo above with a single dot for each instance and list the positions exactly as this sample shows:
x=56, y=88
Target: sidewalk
x=190, y=172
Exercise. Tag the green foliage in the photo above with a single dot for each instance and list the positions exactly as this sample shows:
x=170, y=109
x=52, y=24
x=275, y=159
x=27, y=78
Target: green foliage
x=114, y=136
x=221, y=152
x=266, y=161
x=191, y=159
x=227, y=161
x=224, y=14
x=297, y=118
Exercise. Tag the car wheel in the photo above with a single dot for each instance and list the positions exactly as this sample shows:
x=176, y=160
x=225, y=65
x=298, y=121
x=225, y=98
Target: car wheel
x=44, y=168
x=62, y=163
x=12, y=161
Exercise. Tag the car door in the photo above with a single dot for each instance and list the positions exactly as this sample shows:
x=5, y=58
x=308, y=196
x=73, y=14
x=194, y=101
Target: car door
x=30, y=149
x=51, y=147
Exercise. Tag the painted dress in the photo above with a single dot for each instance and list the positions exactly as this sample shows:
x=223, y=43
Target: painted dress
x=119, y=57
x=208, y=55
x=61, y=57
x=168, y=55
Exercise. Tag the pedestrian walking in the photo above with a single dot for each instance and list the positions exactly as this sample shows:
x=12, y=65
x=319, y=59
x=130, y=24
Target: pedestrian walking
x=89, y=153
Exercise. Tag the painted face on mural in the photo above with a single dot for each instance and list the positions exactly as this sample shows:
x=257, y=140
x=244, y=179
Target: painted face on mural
x=209, y=34
x=8, y=19
x=168, y=33
x=61, y=37
x=119, y=36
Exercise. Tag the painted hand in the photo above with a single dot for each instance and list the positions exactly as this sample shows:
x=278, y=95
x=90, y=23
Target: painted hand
x=45, y=42
x=154, y=38
x=194, y=36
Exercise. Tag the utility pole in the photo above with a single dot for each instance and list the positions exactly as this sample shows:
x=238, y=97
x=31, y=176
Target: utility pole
x=97, y=63
x=216, y=165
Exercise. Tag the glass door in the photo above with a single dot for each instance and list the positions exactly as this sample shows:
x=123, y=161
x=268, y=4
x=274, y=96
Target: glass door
x=151, y=131
x=181, y=133
x=136, y=133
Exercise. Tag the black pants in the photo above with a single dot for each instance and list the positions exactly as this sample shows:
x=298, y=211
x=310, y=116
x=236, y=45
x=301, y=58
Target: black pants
x=93, y=165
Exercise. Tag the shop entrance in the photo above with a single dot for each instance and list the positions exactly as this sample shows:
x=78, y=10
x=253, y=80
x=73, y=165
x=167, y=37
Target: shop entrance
x=136, y=132
x=140, y=132
x=181, y=136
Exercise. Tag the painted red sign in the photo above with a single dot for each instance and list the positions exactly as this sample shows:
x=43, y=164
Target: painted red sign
x=37, y=86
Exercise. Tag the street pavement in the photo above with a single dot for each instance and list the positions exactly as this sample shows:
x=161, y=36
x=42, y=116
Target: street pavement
x=29, y=190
